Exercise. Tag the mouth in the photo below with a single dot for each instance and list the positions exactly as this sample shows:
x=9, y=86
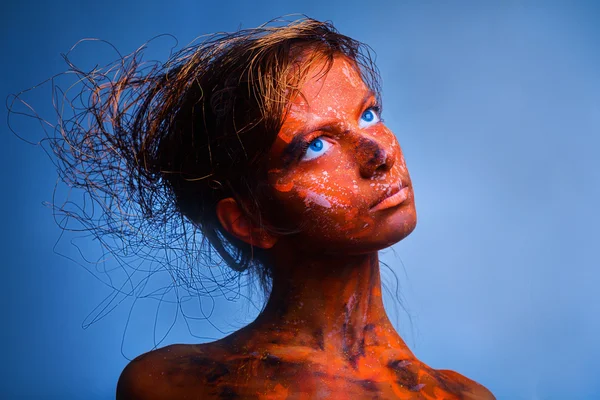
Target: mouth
x=398, y=195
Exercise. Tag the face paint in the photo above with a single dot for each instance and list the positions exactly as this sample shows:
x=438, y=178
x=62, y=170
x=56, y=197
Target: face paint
x=334, y=158
x=312, y=197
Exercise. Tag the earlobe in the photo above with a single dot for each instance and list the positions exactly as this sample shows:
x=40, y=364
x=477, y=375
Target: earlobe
x=235, y=222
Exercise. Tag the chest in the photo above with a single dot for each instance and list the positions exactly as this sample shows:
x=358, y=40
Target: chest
x=278, y=380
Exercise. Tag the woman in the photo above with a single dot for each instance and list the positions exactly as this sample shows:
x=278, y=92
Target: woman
x=271, y=142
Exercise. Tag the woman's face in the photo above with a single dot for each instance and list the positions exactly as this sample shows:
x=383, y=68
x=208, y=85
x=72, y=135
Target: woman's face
x=332, y=164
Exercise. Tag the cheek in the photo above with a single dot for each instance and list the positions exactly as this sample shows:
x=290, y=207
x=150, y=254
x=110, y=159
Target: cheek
x=323, y=193
x=332, y=217
x=325, y=199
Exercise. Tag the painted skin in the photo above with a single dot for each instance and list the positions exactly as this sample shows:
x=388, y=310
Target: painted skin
x=324, y=333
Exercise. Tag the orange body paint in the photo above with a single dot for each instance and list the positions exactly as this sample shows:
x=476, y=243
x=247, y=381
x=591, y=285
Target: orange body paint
x=324, y=333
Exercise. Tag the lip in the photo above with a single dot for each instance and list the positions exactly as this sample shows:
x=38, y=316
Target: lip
x=399, y=195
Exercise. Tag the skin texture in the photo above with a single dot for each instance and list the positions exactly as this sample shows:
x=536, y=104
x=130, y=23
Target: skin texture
x=324, y=333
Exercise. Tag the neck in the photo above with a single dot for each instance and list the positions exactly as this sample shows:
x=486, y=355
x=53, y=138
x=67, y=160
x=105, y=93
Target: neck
x=330, y=303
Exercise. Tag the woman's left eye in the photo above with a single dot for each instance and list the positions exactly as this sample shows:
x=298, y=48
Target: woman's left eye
x=316, y=148
x=369, y=117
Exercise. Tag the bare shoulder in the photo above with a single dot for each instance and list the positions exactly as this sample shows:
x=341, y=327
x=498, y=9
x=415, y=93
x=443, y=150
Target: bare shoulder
x=176, y=371
x=471, y=390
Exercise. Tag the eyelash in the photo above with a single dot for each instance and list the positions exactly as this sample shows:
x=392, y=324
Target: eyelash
x=377, y=109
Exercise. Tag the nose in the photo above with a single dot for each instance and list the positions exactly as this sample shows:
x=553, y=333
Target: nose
x=373, y=157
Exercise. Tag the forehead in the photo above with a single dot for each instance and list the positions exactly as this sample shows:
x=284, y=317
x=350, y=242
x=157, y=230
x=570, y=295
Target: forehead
x=335, y=94
x=329, y=88
x=342, y=75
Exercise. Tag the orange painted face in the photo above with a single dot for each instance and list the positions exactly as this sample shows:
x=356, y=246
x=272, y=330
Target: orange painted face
x=336, y=171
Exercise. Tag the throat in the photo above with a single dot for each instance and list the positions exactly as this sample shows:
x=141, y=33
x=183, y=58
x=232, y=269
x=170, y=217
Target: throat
x=330, y=304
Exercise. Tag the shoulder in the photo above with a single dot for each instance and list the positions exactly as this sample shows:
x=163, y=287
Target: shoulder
x=174, y=371
x=470, y=389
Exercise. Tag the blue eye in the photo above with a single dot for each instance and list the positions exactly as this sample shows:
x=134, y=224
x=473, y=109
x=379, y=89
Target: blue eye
x=369, y=117
x=316, y=148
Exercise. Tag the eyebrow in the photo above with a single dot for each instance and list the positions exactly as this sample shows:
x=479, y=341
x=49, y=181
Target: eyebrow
x=290, y=151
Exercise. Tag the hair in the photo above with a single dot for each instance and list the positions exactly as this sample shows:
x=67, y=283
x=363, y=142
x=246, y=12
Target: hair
x=156, y=146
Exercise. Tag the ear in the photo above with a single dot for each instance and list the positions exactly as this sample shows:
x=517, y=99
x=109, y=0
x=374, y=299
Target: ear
x=239, y=225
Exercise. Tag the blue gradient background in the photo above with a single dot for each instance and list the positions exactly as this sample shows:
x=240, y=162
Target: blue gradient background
x=497, y=107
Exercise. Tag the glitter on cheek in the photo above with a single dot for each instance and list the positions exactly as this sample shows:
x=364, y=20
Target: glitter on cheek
x=317, y=199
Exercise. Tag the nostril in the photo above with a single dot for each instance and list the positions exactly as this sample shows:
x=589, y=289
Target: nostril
x=385, y=161
x=374, y=157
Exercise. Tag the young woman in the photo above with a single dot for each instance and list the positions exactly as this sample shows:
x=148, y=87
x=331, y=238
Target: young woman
x=270, y=141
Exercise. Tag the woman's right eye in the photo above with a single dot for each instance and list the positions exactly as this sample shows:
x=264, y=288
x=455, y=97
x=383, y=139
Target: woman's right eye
x=316, y=148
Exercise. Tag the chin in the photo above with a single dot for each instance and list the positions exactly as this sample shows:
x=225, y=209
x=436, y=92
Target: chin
x=393, y=226
x=382, y=241
x=399, y=234
x=400, y=224
x=388, y=234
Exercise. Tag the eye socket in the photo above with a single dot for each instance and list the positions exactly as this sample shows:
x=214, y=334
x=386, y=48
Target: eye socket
x=316, y=148
x=369, y=117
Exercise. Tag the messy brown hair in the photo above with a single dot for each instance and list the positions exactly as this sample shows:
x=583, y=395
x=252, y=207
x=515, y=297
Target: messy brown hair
x=156, y=146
